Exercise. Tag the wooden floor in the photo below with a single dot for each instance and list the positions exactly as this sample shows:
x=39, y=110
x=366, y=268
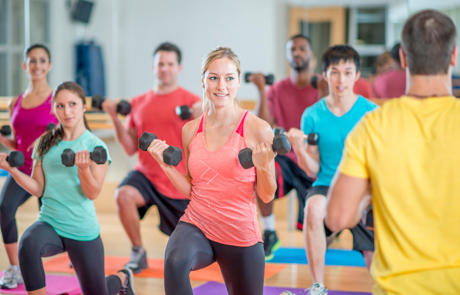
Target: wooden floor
x=117, y=244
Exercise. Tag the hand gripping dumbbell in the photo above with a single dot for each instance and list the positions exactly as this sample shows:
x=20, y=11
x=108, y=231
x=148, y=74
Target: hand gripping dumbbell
x=269, y=78
x=281, y=145
x=184, y=112
x=5, y=130
x=312, y=138
x=171, y=156
x=15, y=159
x=123, y=107
x=98, y=155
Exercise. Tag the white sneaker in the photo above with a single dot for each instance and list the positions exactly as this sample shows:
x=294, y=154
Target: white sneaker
x=137, y=260
x=11, y=278
x=317, y=289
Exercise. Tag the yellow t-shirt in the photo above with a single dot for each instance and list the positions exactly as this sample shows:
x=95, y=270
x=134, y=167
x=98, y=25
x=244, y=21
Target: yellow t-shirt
x=410, y=151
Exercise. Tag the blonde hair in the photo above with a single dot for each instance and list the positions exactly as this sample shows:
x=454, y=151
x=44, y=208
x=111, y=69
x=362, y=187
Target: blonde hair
x=218, y=53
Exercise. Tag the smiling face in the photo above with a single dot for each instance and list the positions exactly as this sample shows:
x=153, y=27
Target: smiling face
x=69, y=109
x=221, y=82
x=341, y=78
x=166, y=67
x=37, y=64
x=298, y=54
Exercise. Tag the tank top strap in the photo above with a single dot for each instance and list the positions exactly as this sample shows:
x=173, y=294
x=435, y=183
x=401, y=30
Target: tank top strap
x=50, y=98
x=18, y=101
x=200, y=127
x=240, y=128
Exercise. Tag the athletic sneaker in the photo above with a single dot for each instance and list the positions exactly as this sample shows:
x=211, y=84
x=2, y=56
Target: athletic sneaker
x=11, y=278
x=128, y=286
x=317, y=289
x=271, y=243
x=137, y=260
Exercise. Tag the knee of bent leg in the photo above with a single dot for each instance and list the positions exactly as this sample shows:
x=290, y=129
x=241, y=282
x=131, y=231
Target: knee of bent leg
x=28, y=247
x=6, y=214
x=177, y=262
x=124, y=196
x=315, y=210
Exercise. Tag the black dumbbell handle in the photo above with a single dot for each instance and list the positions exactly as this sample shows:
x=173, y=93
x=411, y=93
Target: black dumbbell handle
x=98, y=155
x=15, y=159
x=312, y=138
x=281, y=145
x=171, y=155
x=269, y=78
x=5, y=130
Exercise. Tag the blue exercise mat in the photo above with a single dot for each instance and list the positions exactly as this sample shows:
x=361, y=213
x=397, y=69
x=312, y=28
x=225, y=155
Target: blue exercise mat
x=333, y=257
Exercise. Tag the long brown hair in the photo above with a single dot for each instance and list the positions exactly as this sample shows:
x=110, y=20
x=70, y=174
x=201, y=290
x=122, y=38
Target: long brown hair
x=55, y=135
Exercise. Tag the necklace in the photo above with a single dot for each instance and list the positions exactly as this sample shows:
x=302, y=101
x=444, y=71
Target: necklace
x=426, y=96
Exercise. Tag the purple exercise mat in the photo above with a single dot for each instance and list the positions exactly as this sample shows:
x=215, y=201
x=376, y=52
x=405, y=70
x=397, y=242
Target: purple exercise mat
x=213, y=288
x=55, y=285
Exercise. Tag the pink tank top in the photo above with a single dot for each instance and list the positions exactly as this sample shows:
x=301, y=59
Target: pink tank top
x=222, y=203
x=28, y=125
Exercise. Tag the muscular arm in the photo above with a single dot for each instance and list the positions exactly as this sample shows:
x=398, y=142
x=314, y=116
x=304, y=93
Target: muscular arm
x=7, y=142
x=127, y=137
x=34, y=184
x=259, y=138
x=183, y=183
x=347, y=198
x=307, y=155
x=91, y=175
x=263, y=111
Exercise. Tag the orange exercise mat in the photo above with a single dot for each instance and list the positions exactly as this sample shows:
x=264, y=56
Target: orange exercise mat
x=61, y=263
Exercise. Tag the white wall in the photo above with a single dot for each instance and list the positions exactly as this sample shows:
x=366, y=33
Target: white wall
x=129, y=31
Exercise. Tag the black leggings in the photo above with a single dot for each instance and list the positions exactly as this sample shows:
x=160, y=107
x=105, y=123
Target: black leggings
x=11, y=197
x=87, y=257
x=188, y=249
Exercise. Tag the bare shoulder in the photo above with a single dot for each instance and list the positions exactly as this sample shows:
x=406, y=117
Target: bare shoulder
x=189, y=130
x=12, y=102
x=257, y=130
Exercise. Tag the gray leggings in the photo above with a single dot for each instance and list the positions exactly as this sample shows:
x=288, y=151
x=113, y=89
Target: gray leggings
x=188, y=249
x=87, y=257
x=11, y=197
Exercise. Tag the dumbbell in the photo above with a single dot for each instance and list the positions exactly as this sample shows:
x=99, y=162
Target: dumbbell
x=314, y=82
x=123, y=107
x=312, y=138
x=50, y=126
x=5, y=130
x=269, y=78
x=184, y=112
x=98, y=155
x=15, y=159
x=281, y=145
x=171, y=156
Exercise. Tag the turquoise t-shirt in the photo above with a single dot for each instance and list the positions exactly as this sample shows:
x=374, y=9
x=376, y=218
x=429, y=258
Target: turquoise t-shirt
x=64, y=206
x=332, y=131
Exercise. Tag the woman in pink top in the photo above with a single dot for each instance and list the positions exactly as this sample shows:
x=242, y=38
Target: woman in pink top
x=220, y=222
x=30, y=114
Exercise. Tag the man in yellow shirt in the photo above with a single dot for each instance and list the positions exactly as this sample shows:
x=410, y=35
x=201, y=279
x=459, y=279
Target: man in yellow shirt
x=407, y=155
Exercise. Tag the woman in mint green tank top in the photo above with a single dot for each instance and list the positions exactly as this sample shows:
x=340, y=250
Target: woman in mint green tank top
x=67, y=221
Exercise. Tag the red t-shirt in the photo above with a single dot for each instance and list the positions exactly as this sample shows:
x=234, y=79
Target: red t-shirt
x=156, y=113
x=390, y=84
x=363, y=88
x=286, y=102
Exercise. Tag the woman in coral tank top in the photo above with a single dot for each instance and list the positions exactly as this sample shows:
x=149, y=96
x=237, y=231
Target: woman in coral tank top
x=220, y=222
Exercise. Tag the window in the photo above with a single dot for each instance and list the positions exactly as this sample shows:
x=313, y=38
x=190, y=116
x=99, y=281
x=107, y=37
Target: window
x=13, y=36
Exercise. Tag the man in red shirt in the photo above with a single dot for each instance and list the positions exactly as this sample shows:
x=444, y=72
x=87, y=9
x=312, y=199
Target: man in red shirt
x=282, y=105
x=147, y=185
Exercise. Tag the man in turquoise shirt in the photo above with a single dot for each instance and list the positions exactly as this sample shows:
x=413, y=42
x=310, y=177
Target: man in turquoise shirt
x=330, y=119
